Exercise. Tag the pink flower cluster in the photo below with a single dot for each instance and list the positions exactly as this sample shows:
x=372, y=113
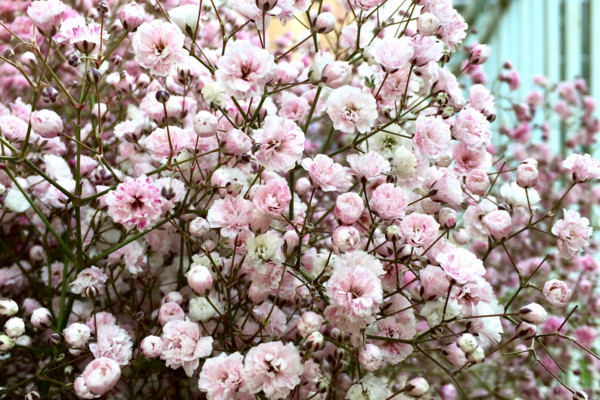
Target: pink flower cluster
x=193, y=208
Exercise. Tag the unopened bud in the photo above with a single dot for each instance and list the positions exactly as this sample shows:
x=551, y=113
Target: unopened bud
x=477, y=356
x=416, y=387
x=162, y=96
x=525, y=331
x=467, y=343
x=533, y=313
x=314, y=341
x=93, y=75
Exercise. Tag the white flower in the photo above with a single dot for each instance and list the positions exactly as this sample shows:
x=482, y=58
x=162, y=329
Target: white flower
x=201, y=309
x=263, y=248
x=369, y=387
x=516, y=196
x=432, y=311
x=15, y=201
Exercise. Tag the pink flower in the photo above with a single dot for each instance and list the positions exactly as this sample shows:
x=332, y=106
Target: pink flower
x=13, y=129
x=101, y=375
x=183, y=346
x=419, y=230
x=348, y=208
x=272, y=197
x=396, y=328
x=135, y=203
x=388, y=201
x=356, y=290
x=499, y=224
x=350, y=109
x=231, y=214
x=432, y=136
x=426, y=49
x=391, y=53
x=151, y=346
x=112, y=342
x=222, y=377
x=434, y=283
x=281, y=143
x=583, y=167
x=557, y=293
x=472, y=128
x=89, y=277
x=573, y=233
x=131, y=16
x=467, y=159
x=273, y=368
x=482, y=100
x=368, y=167
x=83, y=36
x=170, y=311
x=245, y=69
x=158, y=46
x=168, y=142
x=46, y=15
x=326, y=174
x=527, y=173
x=461, y=265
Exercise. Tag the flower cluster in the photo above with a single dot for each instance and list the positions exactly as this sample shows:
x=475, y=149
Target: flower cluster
x=193, y=209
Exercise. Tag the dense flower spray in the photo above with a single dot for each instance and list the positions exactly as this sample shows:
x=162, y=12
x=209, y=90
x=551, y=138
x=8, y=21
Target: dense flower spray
x=192, y=208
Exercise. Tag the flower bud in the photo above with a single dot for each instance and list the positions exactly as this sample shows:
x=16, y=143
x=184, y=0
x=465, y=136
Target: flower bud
x=533, y=313
x=303, y=186
x=346, y=238
x=162, y=96
x=142, y=81
x=476, y=356
x=557, y=293
x=74, y=60
x=527, y=173
x=14, y=327
x=199, y=279
x=49, y=94
x=580, y=395
x=308, y=323
x=467, y=343
x=54, y=339
x=525, y=331
x=102, y=7
x=151, y=346
x=6, y=342
x=186, y=18
x=392, y=233
x=266, y=5
x=314, y=341
x=370, y=357
x=336, y=74
x=173, y=297
x=93, y=75
x=427, y=24
x=324, y=23
x=41, y=318
x=205, y=124
x=91, y=292
x=131, y=16
x=416, y=387
x=498, y=224
x=448, y=392
x=479, y=54
x=447, y=217
x=33, y=395
x=198, y=227
x=77, y=335
x=8, y=307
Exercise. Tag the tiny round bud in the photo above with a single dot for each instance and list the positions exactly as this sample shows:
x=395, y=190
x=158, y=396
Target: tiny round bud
x=314, y=341
x=580, y=395
x=73, y=60
x=205, y=124
x=447, y=217
x=392, y=233
x=41, y=318
x=198, y=227
x=142, y=81
x=6, y=342
x=33, y=395
x=476, y=356
x=93, y=75
x=8, y=307
x=139, y=316
x=322, y=385
x=90, y=292
x=199, y=279
x=303, y=186
x=168, y=192
x=49, y=94
x=417, y=387
x=131, y=16
x=527, y=173
x=266, y=5
x=14, y=327
x=467, y=343
x=8, y=53
x=324, y=23
x=162, y=96
x=525, y=331
x=336, y=335
x=102, y=7
x=479, y=54
x=370, y=357
x=54, y=339
x=533, y=313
